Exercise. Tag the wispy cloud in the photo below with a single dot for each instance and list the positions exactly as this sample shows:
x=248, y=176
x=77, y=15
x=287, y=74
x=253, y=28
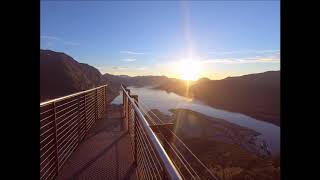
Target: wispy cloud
x=119, y=68
x=261, y=56
x=49, y=37
x=54, y=38
x=271, y=59
x=132, y=70
x=245, y=51
x=128, y=60
x=141, y=68
x=131, y=52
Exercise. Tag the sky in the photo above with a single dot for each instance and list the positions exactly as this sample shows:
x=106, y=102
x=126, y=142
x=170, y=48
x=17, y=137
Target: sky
x=225, y=38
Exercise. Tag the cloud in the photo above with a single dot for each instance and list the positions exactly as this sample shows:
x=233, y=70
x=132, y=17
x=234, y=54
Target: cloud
x=128, y=60
x=141, y=68
x=246, y=51
x=270, y=59
x=49, y=37
x=131, y=52
x=119, y=67
x=54, y=38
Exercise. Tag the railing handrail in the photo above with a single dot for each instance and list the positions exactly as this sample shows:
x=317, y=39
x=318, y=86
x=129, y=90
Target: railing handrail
x=69, y=96
x=64, y=123
x=167, y=163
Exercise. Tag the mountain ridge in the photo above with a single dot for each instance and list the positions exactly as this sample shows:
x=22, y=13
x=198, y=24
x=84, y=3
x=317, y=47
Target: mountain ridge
x=61, y=75
x=256, y=95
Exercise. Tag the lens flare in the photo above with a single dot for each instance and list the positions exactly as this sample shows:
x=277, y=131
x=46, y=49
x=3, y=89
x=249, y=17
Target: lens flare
x=189, y=70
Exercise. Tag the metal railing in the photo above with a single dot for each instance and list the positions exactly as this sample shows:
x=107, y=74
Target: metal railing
x=64, y=122
x=186, y=162
x=151, y=159
x=187, y=165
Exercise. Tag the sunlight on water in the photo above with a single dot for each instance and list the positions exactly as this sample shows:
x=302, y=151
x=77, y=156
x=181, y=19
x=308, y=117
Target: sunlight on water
x=162, y=100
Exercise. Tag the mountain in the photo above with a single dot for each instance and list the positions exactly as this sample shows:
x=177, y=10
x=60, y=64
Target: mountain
x=137, y=81
x=177, y=86
x=256, y=95
x=61, y=75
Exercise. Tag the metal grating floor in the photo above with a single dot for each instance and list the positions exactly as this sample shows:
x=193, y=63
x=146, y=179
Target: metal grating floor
x=105, y=153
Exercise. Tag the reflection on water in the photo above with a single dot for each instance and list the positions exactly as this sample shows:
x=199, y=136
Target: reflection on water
x=162, y=100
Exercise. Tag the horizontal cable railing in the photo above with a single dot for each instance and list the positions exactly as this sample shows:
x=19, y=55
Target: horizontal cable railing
x=185, y=161
x=151, y=159
x=64, y=122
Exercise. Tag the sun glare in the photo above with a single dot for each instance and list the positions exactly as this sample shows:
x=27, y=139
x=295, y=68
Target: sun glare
x=189, y=70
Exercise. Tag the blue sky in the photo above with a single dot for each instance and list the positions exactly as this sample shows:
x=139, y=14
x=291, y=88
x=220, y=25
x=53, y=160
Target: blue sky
x=228, y=38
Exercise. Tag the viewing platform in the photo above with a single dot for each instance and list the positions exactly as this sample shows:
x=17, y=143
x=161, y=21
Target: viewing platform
x=105, y=153
x=83, y=137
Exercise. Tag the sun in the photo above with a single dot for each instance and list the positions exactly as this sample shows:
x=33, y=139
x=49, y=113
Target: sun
x=189, y=69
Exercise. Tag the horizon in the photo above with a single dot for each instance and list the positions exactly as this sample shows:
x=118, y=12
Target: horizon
x=162, y=75
x=190, y=41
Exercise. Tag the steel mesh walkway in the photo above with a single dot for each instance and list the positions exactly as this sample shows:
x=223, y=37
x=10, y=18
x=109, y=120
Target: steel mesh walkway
x=105, y=153
x=83, y=138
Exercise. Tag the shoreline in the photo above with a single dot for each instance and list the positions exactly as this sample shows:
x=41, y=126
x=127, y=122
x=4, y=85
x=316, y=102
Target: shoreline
x=259, y=116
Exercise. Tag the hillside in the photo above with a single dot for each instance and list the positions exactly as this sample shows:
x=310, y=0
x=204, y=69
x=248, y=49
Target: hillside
x=137, y=81
x=177, y=86
x=256, y=95
x=61, y=75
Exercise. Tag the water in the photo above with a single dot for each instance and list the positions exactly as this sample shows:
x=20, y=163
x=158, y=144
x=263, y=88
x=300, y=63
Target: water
x=163, y=101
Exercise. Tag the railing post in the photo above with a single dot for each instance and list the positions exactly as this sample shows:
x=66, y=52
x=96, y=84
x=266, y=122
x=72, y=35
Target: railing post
x=79, y=119
x=96, y=105
x=104, y=98
x=134, y=121
x=123, y=104
x=135, y=127
x=125, y=108
x=85, y=113
x=128, y=102
x=55, y=139
x=135, y=97
x=137, y=119
x=127, y=118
